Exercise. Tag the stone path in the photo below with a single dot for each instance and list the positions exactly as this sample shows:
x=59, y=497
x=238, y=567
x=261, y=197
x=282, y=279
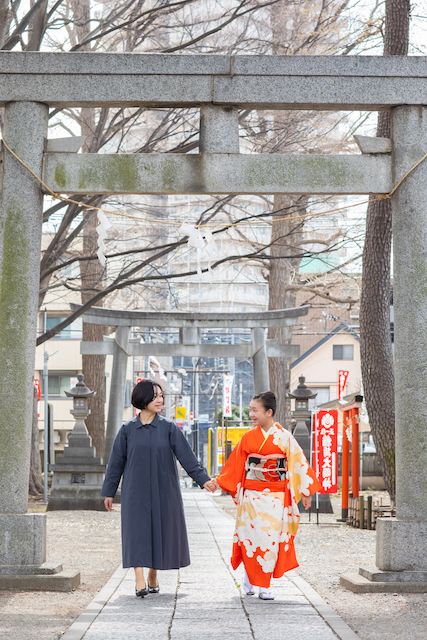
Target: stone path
x=204, y=601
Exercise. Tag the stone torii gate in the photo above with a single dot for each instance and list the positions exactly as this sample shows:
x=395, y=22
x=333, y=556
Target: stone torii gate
x=32, y=82
x=259, y=349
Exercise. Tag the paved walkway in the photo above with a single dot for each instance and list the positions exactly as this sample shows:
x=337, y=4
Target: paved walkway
x=204, y=601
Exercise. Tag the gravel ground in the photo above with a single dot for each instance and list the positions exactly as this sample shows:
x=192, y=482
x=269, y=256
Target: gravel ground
x=90, y=542
x=326, y=551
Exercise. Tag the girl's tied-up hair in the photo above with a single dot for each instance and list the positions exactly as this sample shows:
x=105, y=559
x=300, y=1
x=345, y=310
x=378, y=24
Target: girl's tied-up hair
x=268, y=400
x=144, y=392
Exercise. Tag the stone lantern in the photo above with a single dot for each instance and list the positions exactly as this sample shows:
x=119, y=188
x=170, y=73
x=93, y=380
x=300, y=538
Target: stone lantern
x=302, y=415
x=302, y=432
x=78, y=475
x=80, y=394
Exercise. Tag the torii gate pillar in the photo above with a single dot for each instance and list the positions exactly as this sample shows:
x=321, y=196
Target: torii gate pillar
x=402, y=541
x=22, y=535
x=260, y=361
x=117, y=389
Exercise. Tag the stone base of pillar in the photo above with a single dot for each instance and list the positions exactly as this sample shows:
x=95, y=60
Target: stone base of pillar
x=385, y=581
x=22, y=538
x=23, y=556
x=66, y=580
x=401, y=544
x=401, y=560
x=47, y=569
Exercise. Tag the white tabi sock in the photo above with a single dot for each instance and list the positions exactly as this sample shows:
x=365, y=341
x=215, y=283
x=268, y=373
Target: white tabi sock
x=265, y=594
x=247, y=586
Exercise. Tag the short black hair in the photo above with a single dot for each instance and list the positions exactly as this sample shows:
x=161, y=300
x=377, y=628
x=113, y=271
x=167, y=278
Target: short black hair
x=143, y=393
x=268, y=400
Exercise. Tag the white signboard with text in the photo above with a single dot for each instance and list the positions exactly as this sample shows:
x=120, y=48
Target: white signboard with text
x=226, y=403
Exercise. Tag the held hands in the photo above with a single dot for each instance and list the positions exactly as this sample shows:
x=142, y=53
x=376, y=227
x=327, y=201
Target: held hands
x=109, y=504
x=212, y=485
x=306, y=501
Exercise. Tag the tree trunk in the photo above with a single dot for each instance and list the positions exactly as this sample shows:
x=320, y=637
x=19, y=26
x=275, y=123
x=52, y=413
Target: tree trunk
x=37, y=29
x=375, y=337
x=283, y=271
x=93, y=366
x=35, y=487
x=94, y=372
x=4, y=20
x=91, y=271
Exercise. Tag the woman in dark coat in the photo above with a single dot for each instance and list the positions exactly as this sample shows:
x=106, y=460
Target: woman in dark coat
x=145, y=450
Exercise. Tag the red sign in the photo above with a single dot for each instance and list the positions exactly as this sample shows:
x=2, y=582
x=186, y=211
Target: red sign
x=325, y=449
x=342, y=381
x=39, y=391
x=191, y=416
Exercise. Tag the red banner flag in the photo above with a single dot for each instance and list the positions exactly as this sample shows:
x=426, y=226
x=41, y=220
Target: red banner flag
x=39, y=391
x=342, y=381
x=325, y=449
x=39, y=395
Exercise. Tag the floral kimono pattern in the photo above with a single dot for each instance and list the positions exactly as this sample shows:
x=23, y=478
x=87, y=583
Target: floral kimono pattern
x=267, y=512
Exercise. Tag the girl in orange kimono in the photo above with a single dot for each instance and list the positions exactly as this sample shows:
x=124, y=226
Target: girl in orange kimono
x=267, y=474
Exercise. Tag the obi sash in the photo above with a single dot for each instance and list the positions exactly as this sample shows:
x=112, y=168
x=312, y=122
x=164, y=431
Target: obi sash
x=265, y=471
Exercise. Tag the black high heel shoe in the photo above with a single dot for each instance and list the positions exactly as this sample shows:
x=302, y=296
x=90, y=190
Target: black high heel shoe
x=153, y=589
x=141, y=592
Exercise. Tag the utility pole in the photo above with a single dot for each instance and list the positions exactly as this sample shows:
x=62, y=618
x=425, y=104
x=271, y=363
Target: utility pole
x=46, y=356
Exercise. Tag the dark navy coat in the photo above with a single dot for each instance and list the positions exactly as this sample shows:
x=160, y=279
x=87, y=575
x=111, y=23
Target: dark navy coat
x=154, y=534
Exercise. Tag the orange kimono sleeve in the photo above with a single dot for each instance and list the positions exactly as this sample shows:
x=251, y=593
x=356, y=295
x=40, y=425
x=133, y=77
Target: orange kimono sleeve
x=230, y=478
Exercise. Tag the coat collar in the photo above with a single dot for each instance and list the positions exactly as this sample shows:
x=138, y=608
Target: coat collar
x=154, y=423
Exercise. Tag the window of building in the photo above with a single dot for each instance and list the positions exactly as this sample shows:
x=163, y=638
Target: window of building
x=73, y=331
x=323, y=395
x=58, y=384
x=343, y=352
